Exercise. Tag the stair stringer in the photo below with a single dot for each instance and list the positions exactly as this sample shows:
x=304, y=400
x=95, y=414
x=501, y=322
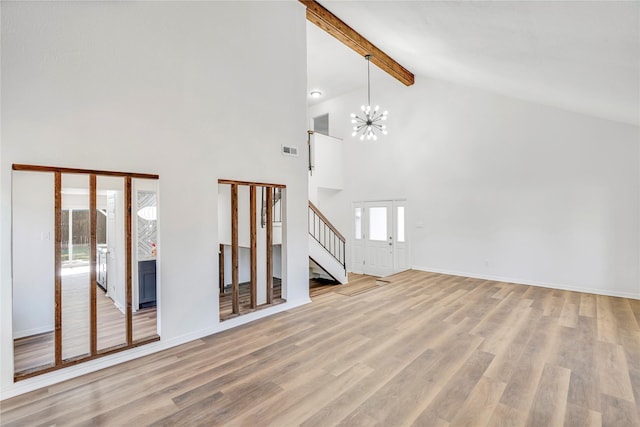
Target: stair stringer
x=326, y=261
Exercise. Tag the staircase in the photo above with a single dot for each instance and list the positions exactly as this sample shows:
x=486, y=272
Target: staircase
x=326, y=247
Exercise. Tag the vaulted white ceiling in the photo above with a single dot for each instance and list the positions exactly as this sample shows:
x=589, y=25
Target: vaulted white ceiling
x=578, y=55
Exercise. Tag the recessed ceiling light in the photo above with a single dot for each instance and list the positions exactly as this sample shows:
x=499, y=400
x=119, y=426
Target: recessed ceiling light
x=315, y=94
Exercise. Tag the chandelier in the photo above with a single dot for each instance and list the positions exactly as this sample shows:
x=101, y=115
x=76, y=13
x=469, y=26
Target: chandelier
x=371, y=121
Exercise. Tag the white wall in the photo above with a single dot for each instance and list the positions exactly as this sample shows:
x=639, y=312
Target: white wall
x=328, y=165
x=497, y=187
x=181, y=89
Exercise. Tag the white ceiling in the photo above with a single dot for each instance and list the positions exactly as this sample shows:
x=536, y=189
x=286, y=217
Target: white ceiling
x=577, y=55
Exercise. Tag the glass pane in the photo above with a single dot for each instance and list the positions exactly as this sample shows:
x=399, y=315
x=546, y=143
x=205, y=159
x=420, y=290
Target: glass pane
x=110, y=263
x=400, y=218
x=378, y=223
x=358, y=225
x=75, y=266
x=144, y=254
x=33, y=269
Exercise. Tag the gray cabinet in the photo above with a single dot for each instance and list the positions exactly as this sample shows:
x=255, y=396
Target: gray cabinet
x=147, y=284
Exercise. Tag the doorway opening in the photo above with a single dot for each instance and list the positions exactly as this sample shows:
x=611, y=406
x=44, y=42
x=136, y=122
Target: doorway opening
x=75, y=295
x=251, y=251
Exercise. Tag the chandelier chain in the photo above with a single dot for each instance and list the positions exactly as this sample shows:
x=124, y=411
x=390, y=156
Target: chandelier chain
x=368, y=79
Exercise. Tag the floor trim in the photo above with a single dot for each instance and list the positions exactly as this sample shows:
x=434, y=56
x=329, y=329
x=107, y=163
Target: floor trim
x=562, y=287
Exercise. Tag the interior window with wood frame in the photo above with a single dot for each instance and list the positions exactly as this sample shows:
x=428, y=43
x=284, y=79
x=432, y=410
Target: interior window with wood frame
x=250, y=230
x=84, y=252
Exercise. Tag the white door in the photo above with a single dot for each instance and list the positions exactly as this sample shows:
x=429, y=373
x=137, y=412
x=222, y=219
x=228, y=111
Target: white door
x=378, y=239
x=380, y=245
x=115, y=248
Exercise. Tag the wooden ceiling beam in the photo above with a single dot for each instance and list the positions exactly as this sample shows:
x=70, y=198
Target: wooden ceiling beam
x=333, y=25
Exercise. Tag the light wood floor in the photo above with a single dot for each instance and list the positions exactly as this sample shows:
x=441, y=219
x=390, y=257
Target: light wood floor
x=425, y=349
x=357, y=284
x=38, y=350
x=225, y=300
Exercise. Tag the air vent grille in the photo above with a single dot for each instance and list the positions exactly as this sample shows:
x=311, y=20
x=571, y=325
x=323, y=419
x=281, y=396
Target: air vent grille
x=289, y=151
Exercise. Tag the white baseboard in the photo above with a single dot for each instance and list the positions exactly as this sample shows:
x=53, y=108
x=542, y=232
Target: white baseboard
x=34, y=331
x=606, y=292
x=119, y=307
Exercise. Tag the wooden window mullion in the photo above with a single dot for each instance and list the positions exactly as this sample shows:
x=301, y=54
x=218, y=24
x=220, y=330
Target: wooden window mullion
x=269, y=239
x=235, y=284
x=253, y=244
x=221, y=268
x=34, y=168
x=58, y=268
x=128, y=247
x=92, y=266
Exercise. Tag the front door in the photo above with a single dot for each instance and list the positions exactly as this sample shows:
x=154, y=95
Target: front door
x=373, y=245
x=378, y=239
x=379, y=247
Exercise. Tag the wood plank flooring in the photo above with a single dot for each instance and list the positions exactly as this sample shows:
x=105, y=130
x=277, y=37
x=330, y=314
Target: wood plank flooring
x=357, y=284
x=38, y=350
x=425, y=349
x=225, y=299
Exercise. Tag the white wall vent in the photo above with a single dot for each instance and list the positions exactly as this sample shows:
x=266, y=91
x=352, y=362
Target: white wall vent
x=289, y=151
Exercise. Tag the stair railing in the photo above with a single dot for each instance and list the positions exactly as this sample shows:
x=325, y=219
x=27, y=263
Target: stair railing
x=321, y=229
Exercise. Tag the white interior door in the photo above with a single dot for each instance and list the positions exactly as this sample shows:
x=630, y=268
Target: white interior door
x=378, y=238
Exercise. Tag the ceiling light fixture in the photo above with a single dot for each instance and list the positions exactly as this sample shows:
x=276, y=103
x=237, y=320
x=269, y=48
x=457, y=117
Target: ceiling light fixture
x=371, y=122
x=315, y=94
